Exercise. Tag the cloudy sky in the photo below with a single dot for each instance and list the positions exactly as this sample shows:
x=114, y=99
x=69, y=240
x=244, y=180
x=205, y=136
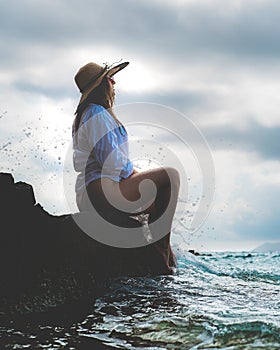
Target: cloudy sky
x=215, y=62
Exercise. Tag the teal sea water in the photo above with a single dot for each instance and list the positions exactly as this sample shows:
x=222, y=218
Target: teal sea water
x=219, y=301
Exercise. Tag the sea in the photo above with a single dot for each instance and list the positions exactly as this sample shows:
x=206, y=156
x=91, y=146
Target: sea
x=222, y=300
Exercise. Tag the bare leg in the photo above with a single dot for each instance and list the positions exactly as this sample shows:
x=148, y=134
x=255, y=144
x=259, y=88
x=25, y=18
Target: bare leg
x=167, y=184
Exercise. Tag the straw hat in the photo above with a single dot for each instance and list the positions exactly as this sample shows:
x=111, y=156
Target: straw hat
x=90, y=76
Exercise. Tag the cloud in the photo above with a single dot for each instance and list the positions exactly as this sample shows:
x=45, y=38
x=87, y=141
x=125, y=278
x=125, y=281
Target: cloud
x=192, y=29
x=254, y=138
x=201, y=56
x=217, y=63
x=245, y=207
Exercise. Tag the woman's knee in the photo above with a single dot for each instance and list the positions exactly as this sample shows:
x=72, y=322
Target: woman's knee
x=173, y=175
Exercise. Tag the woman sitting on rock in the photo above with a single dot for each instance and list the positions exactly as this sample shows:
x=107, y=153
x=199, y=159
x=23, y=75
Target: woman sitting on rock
x=107, y=180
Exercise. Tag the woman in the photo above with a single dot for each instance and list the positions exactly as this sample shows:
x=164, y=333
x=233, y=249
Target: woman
x=100, y=142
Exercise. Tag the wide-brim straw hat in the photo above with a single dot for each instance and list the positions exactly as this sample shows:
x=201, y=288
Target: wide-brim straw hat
x=91, y=75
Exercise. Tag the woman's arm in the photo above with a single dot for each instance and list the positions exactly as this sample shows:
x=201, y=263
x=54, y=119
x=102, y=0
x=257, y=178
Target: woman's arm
x=111, y=156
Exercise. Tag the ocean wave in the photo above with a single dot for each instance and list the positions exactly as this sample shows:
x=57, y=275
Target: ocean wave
x=222, y=301
x=227, y=265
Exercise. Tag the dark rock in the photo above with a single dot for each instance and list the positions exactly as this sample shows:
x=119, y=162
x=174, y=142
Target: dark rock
x=192, y=251
x=39, y=251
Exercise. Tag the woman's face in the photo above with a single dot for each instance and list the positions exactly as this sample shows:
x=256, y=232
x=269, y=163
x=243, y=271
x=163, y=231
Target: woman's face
x=111, y=83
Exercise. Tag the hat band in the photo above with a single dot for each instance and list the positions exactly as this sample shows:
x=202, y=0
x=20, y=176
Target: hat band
x=92, y=80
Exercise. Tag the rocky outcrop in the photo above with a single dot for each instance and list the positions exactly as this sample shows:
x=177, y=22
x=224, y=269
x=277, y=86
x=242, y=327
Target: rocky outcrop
x=43, y=253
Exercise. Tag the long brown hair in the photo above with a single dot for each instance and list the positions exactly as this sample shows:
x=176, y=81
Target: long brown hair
x=101, y=95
